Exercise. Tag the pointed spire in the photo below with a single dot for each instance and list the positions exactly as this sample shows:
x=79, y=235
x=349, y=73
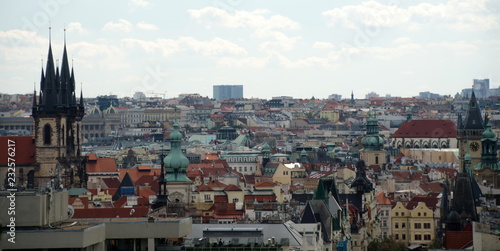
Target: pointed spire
x=473, y=118
x=34, y=94
x=49, y=86
x=42, y=85
x=66, y=88
x=81, y=95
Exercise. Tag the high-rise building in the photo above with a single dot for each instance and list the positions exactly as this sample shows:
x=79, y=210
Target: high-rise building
x=222, y=92
x=481, y=87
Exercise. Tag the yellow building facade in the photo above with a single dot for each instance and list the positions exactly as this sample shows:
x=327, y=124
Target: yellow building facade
x=413, y=226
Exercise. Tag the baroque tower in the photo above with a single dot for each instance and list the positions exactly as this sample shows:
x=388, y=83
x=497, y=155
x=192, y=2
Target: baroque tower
x=58, y=127
x=373, y=152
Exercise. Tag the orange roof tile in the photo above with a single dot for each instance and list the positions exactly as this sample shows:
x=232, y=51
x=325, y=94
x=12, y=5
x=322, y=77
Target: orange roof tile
x=215, y=183
x=204, y=188
x=102, y=165
x=382, y=199
x=232, y=187
x=264, y=184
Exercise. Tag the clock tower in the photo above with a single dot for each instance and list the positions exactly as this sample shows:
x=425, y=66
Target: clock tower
x=469, y=133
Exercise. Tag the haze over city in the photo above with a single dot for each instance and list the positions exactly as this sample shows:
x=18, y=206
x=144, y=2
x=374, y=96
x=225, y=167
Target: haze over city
x=272, y=48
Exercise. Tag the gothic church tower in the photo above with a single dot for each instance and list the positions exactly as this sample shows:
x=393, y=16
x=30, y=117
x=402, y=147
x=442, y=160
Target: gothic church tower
x=58, y=127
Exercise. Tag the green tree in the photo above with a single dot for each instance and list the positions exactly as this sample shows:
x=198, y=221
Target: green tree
x=386, y=244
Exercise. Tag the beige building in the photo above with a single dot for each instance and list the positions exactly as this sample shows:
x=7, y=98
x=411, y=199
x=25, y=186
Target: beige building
x=289, y=173
x=413, y=226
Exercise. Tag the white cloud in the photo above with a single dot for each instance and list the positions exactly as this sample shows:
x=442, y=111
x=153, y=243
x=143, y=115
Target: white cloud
x=323, y=45
x=121, y=25
x=402, y=40
x=167, y=47
x=460, y=48
x=460, y=15
x=264, y=25
x=146, y=26
x=76, y=27
x=247, y=62
x=139, y=3
x=368, y=13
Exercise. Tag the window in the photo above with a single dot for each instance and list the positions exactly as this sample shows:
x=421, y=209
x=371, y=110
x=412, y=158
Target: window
x=425, y=214
x=418, y=237
x=384, y=223
x=396, y=225
x=208, y=197
x=47, y=134
x=397, y=214
x=403, y=214
x=418, y=214
x=396, y=236
x=235, y=200
x=427, y=237
x=403, y=237
x=403, y=225
x=418, y=225
x=245, y=169
x=427, y=225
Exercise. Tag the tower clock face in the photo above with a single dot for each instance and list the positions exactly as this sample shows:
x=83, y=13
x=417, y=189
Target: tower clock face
x=474, y=146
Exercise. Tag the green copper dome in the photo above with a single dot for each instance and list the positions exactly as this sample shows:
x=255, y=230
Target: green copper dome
x=372, y=141
x=488, y=133
x=266, y=148
x=176, y=163
x=303, y=152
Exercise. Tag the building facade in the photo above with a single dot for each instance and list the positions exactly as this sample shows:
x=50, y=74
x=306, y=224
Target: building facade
x=222, y=92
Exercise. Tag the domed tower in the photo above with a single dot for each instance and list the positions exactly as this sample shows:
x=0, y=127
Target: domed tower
x=488, y=169
x=176, y=163
x=373, y=144
x=303, y=156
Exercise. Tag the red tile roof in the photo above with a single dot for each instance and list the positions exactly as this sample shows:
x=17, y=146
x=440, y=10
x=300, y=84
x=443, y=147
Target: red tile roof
x=146, y=192
x=458, y=239
x=382, y=199
x=232, y=187
x=215, y=183
x=430, y=202
x=204, y=188
x=264, y=184
x=111, y=182
x=148, y=180
x=135, y=174
x=431, y=187
x=227, y=211
x=101, y=165
x=111, y=212
x=429, y=128
x=22, y=146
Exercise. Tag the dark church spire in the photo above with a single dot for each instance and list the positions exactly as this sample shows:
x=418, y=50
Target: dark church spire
x=49, y=84
x=473, y=118
x=65, y=78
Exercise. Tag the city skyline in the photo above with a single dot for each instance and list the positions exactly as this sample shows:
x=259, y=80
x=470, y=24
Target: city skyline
x=303, y=50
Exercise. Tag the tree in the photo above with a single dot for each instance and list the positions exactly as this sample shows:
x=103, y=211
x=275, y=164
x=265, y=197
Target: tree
x=386, y=244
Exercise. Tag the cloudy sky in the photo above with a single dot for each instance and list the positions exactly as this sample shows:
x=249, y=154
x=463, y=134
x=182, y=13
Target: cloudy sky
x=273, y=48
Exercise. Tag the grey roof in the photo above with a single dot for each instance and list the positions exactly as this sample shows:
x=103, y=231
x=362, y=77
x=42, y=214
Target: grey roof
x=278, y=231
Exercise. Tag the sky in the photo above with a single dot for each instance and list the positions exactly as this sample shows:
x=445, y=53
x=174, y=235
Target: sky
x=273, y=48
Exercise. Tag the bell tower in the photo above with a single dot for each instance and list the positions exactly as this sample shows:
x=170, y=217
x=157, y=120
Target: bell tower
x=469, y=133
x=57, y=127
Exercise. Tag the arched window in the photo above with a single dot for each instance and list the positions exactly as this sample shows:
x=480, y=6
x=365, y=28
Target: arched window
x=47, y=134
x=376, y=160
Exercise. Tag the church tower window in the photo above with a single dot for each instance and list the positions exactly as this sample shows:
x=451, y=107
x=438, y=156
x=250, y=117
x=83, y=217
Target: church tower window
x=47, y=134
